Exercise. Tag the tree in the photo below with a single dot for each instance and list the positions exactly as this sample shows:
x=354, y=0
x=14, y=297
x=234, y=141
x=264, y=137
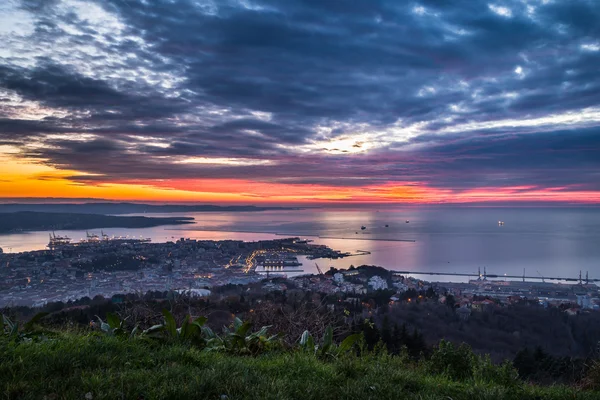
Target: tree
x=450, y=301
x=386, y=334
x=371, y=333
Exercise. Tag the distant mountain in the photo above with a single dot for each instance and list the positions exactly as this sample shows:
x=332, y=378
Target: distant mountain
x=126, y=208
x=40, y=221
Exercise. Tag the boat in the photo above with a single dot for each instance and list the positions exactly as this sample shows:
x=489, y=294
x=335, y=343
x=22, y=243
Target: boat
x=500, y=223
x=387, y=226
x=407, y=221
x=362, y=228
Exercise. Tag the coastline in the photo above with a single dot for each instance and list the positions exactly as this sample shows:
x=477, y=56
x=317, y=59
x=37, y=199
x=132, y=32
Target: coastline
x=31, y=221
x=293, y=235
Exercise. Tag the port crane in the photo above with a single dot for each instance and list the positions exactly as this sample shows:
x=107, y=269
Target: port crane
x=319, y=269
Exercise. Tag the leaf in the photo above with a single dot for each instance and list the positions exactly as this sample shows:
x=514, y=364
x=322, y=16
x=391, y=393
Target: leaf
x=274, y=338
x=12, y=327
x=310, y=344
x=206, y=331
x=328, y=338
x=134, y=331
x=262, y=332
x=113, y=320
x=200, y=321
x=7, y=323
x=184, y=331
x=304, y=338
x=105, y=327
x=194, y=332
x=36, y=318
x=154, y=329
x=243, y=329
x=170, y=325
x=237, y=341
x=349, y=342
x=237, y=323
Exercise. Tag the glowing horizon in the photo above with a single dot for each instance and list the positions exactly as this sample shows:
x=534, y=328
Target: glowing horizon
x=35, y=180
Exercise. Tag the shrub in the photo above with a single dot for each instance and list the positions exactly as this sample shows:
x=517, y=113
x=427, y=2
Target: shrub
x=591, y=380
x=504, y=374
x=458, y=363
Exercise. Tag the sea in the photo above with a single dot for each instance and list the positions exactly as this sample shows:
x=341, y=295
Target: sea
x=539, y=242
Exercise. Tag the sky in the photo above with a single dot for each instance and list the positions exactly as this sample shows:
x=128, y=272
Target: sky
x=288, y=101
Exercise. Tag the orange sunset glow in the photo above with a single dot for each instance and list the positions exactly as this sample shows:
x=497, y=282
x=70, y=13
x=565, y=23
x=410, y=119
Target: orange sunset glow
x=35, y=179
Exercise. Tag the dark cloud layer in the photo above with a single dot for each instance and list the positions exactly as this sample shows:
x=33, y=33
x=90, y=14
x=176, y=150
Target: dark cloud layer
x=318, y=92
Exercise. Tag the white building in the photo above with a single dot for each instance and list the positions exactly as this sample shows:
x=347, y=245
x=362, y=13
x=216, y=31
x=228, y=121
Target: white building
x=378, y=283
x=339, y=278
x=194, y=292
x=584, y=301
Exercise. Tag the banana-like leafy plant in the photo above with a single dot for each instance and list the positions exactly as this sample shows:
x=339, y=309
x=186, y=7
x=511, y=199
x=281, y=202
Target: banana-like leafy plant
x=190, y=331
x=28, y=332
x=238, y=339
x=115, y=326
x=10, y=328
x=327, y=348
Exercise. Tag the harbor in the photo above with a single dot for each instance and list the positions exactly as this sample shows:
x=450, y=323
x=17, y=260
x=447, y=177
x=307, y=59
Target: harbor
x=63, y=242
x=485, y=276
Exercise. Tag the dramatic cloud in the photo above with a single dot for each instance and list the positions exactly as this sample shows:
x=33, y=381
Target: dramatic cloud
x=431, y=98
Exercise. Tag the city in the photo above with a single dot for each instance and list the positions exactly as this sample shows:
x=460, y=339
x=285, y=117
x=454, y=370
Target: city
x=110, y=267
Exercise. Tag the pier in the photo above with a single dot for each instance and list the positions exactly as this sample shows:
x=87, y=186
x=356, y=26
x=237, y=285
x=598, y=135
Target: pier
x=485, y=276
x=364, y=238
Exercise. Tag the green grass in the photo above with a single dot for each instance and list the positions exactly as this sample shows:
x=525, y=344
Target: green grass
x=73, y=365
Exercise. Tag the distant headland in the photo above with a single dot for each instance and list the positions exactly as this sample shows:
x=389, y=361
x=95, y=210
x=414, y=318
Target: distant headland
x=23, y=221
x=126, y=208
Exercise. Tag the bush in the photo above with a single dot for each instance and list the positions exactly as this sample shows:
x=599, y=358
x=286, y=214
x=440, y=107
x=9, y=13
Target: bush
x=459, y=363
x=504, y=374
x=591, y=381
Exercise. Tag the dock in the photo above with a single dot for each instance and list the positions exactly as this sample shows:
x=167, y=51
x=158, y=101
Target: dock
x=364, y=238
x=496, y=276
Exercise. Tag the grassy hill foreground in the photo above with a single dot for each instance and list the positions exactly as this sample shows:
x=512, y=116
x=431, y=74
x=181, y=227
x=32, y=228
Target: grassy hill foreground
x=94, y=366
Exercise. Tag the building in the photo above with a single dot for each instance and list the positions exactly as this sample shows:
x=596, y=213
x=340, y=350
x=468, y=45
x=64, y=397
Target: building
x=463, y=313
x=338, y=277
x=378, y=283
x=584, y=301
x=194, y=292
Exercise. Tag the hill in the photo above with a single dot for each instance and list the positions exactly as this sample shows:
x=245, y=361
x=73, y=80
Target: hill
x=41, y=221
x=126, y=208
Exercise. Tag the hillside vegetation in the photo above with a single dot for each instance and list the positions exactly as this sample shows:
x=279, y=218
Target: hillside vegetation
x=192, y=362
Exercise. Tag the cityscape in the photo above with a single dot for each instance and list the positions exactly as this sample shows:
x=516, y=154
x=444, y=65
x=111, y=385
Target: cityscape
x=109, y=267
